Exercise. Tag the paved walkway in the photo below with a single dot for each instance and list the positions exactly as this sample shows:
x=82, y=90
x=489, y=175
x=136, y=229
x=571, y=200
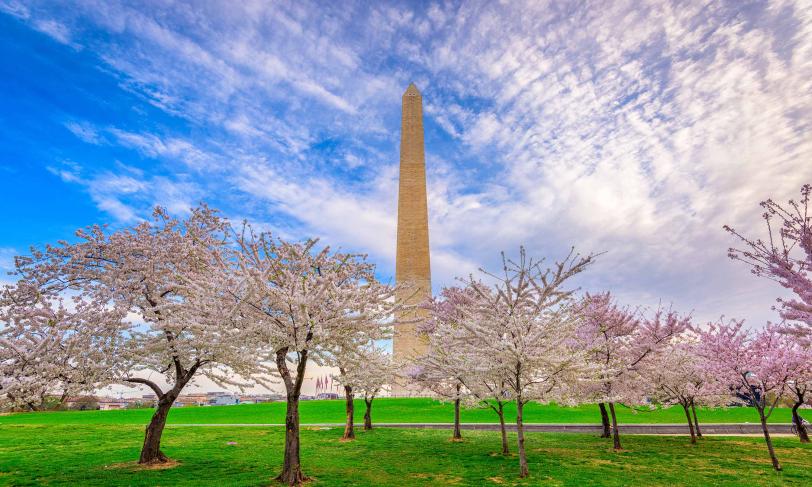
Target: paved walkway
x=627, y=429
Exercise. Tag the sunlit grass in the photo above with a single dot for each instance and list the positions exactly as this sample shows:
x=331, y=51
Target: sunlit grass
x=91, y=455
x=385, y=410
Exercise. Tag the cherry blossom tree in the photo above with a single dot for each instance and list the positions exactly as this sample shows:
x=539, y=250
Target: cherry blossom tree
x=379, y=372
x=299, y=303
x=447, y=364
x=597, y=310
x=346, y=358
x=351, y=357
x=673, y=376
x=492, y=390
x=173, y=279
x=528, y=317
x=786, y=254
x=751, y=367
x=618, y=341
x=486, y=383
x=366, y=372
x=439, y=372
x=49, y=346
x=476, y=369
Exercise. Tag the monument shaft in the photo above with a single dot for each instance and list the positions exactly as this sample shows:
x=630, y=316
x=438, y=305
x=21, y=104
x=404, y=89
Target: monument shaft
x=412, y=267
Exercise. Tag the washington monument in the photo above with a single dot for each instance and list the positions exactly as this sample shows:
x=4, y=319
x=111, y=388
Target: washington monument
x=412, y=265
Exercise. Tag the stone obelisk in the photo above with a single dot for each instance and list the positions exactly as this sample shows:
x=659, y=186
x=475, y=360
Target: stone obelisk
x=412, y=266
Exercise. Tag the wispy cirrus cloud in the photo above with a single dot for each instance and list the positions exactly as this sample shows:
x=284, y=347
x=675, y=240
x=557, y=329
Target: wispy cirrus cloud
x=49, y=26
x=638, y=128
x=6, y=261
x=127, y=194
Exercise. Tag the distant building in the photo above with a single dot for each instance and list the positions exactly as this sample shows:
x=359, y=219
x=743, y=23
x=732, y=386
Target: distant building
x=222, y=399
x=81, y=403
x=194, y=399
x=150, y=400
x=107, y=404
x=258, y=398
x=327, y=395
x=269, y=398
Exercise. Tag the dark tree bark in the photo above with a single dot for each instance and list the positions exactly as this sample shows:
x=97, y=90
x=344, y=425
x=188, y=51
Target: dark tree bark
x=696, y=421
x=523, y=469
x=690, y=423
x=291, y=466
x=500, y=410
x=799, y=424
x=368, y=414
x=151, y=451
x=607, y=427
x=349, y=427
x=615, y=432
x=457, y=432
x=776, y=465
x=62, y=399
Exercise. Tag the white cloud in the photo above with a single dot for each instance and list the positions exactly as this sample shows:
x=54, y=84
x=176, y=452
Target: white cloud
x=633, y=127
x=127, y=194
x=54, y=29
x=83, y=131
x=350, y=220
x=7, y=255
x=15, y=8
x=173, y=148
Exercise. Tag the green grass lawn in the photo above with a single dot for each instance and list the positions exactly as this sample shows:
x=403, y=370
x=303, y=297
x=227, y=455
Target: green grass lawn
x=93, y=455
x=387, y=411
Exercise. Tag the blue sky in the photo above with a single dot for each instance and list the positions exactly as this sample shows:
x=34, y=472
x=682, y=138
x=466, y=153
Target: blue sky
x=635, y=128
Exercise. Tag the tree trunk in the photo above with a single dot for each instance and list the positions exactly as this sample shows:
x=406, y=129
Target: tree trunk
x=368, y=415
x=292, y=468
x=501, y=412
x=62, y=399
x=523, y=470
x=349, y=428
x=690, y=423
x=457, y=432
x=769, y=441
x=615, y=432
x=799, y=424
x=696, y=421
x=607, y=428
x=292, y=465
x=151, y=451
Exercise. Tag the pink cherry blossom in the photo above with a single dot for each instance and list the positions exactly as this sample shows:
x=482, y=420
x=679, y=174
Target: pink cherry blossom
x=754, y=368
x=301, y=303
x=519, y=331
x=619, y=341
x=785, y=256
x=173, y=280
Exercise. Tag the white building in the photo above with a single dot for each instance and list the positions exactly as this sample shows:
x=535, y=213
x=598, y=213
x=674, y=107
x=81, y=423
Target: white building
x=223, y=399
